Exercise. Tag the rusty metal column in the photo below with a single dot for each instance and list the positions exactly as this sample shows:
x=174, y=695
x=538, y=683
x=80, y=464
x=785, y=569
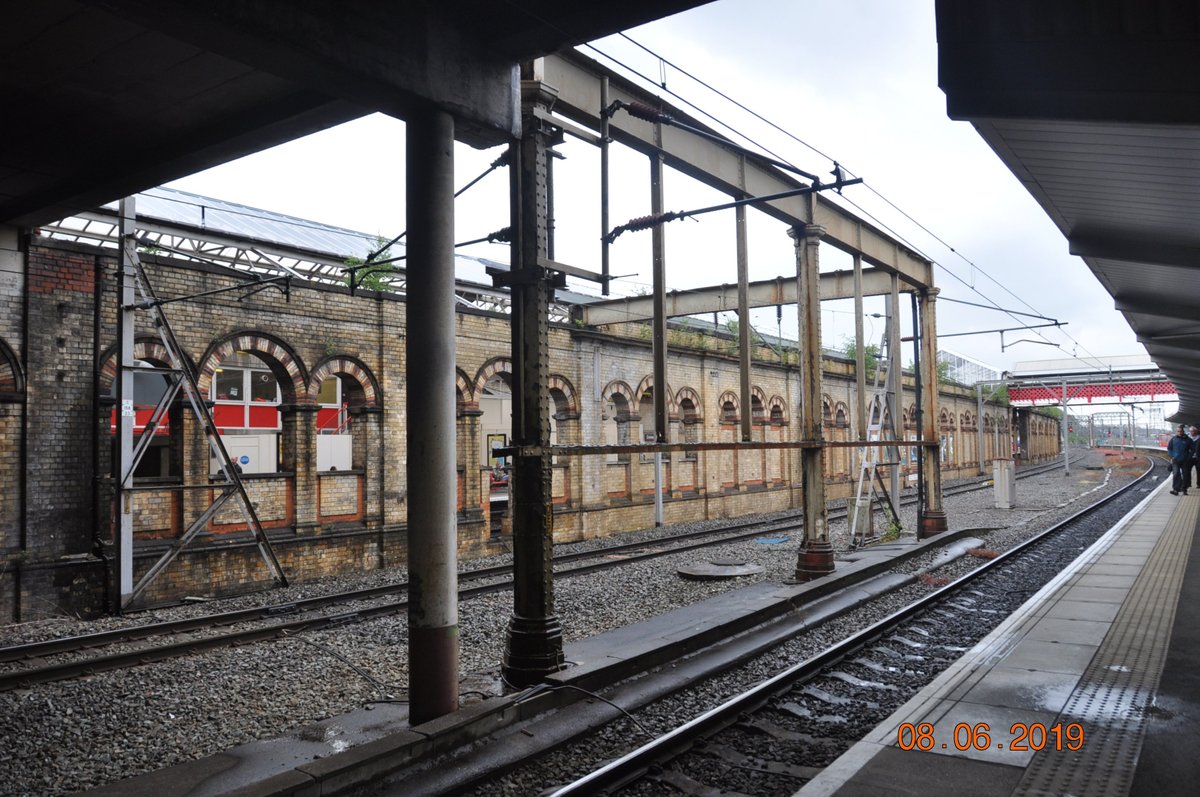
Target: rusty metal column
x=934, y=516
x=743, y=299
x=658, y=246
x=860, y=358
x=862, y=511
x=980, y=452
x=895, y=384
x=533, y=646
x=432, y=475
x=815, y=557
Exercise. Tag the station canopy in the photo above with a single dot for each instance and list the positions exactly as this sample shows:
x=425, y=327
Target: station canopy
x=1099, y=380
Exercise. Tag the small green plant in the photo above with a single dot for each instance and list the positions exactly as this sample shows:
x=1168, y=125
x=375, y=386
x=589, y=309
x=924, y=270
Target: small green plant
x=373, y=278
x=870, y=355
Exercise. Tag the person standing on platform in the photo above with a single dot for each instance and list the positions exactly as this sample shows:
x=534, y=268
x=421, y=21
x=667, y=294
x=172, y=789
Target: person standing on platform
x=1194, y=465
x=1180, y=450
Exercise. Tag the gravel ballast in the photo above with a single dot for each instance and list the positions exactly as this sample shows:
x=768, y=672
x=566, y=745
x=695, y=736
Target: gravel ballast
x=63, y=737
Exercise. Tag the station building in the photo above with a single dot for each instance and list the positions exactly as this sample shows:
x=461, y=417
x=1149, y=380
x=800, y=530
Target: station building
x=306, y=385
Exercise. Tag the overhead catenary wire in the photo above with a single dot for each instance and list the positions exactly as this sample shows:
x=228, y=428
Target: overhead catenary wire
x=795, y=138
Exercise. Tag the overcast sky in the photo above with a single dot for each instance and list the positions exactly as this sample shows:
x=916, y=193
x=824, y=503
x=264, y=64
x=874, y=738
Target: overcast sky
x=855, y=79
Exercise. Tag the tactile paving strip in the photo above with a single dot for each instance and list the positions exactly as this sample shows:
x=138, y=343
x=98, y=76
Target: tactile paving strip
x=1117, y=690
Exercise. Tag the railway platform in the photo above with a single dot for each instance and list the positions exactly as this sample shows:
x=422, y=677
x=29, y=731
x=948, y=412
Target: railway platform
x=1090, y=689
x=349, y=751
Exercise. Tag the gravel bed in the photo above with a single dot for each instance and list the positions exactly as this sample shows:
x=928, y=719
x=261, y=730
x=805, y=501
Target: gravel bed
x=72, y=735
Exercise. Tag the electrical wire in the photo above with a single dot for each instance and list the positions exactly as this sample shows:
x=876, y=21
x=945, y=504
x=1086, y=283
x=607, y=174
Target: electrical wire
x=871, y=188
x=543, y=687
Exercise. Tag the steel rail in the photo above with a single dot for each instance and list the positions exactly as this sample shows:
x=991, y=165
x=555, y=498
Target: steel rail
x=62, y=671
x=635, y=764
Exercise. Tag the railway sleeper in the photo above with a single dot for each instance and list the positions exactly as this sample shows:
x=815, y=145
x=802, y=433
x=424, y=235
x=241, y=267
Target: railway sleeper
x=740, y=760
x=688, y=785
x=780, y=733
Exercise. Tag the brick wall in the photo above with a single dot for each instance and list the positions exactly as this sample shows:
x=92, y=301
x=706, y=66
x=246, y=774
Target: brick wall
x=340, y=495
x=328, y=523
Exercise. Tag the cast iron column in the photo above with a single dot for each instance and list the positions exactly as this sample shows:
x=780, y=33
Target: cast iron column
x=934, y=517
x=432, y=475
x=816, y=554
x=533, y=647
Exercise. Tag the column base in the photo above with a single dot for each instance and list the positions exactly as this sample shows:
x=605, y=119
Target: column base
x=933, y=523
x=533, y=649
x=814, y=561
x=433, y=672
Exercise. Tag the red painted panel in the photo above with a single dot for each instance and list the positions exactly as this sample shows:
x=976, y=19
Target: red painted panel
x=327, y=418
x=264, y=416
x=140, y=419
x=229, y=416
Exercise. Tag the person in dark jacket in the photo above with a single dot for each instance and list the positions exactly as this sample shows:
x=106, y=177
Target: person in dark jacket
x=1193, y=473
x=1180, y=449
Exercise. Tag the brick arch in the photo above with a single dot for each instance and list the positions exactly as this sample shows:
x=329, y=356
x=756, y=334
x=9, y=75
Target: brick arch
x=691, y=395
x=344, y=364
x=777, y=403
x=149, y=349
x=842, y=409
x=757, y=392
x=463, y=390
x=728, y=397
x=12, y=381
x=945, y=421
x=647, y=383
x=619, y=388
x=270, y=348
x=827, y=409
x=564, y=386
x=493, y=367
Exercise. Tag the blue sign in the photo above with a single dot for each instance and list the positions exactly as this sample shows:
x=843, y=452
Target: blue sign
x=243, y=459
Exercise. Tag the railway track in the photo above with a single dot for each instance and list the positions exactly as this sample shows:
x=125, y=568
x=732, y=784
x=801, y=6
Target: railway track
x=776, y=736
x=73, y=657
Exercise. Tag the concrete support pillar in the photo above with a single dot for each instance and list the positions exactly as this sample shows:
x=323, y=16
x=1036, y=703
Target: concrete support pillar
x=429, y=348
x=934, y=516
x=815, y=557
x=533, y=647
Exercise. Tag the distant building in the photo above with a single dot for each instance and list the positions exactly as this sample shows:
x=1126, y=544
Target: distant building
x=965, y=370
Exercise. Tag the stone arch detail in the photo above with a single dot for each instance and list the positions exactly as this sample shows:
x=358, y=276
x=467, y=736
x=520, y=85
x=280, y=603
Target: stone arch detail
x=827, y=409
x=841, y=410
x=257, y=343
x=564, y=386
x=729, y=397
x=620, y=388
x=757, y=392
x=147, y=348
x=693, y=396
x=777, y=403
x=647, y=383
x=351, y=367
x=12, y=380
x=494, y=366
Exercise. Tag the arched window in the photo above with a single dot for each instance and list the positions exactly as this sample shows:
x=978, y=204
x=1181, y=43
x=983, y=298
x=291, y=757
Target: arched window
x=246, y=400
x=646, y=411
